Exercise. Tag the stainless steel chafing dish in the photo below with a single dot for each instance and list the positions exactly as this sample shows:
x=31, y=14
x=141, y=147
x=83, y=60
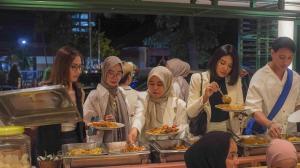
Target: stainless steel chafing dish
x=37, y=106
x=165, y=150
x=112, y=156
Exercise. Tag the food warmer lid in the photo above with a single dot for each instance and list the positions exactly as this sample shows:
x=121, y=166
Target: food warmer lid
x=38, y=106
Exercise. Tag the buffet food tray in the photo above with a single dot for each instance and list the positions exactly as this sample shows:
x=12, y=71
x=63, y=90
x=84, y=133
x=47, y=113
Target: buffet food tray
x=38, y=106
x=251, y=145
x=164, y=150
x=111, y=156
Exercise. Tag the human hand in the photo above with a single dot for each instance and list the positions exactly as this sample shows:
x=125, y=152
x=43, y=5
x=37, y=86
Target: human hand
x=109, y=117
x=132, y=136
x=211, y=89
x=274, y=130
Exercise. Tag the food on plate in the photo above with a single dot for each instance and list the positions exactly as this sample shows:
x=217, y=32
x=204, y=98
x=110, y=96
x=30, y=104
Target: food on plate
x=107, y=124
x=293, y=139
x=229, y=107
x=181, y=147
x=255, y=140
x=165, y=129
x=81, y=151
x=133, y=148
x=226, y=99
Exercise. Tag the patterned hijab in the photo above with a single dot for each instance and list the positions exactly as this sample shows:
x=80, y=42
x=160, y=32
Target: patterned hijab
x=154, y=111
x=116, y=99
x=108, y=64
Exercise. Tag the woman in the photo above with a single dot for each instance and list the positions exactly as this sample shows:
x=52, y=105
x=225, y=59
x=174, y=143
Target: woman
x=65, y=71
x=159, y=107
x=125, y=82
x=107, y=102
x=180, y=70
x=215, y=149
x=281, y=154
x=223, y=74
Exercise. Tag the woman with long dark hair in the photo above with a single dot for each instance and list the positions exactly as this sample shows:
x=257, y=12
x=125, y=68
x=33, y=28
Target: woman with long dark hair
x=223, y=74
x=65, y=71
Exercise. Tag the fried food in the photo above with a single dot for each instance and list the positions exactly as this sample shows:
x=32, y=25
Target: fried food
x=231, y=107
x=293, y=139
x=81, y=151
x=226, y=99
x=255, y=140
x=181, y=147
x=133, y=148
x=107, y=124
x=165, y=129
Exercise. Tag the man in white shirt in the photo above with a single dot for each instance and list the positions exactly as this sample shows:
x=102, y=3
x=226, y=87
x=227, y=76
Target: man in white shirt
x=266, y=86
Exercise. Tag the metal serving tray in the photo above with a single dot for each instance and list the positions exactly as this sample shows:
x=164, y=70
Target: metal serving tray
x=37, y=106
x=111, y=157
x=163, y=150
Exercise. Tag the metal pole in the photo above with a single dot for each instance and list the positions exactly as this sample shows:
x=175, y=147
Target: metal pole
x=90, y=39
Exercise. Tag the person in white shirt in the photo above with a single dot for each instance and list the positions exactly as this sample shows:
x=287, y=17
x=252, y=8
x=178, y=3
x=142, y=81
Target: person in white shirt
x=159, y=107
x=267, y=84
x=223, y=74
x=130, y=93
x=180, y=70
x=108, y=102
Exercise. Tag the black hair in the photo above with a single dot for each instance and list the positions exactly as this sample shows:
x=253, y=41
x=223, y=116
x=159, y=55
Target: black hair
x=284, y=42
x=224, y=50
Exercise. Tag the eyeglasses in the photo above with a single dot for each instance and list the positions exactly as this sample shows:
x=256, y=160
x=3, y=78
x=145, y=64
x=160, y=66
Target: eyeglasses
x=75, y=67
x=114, y=74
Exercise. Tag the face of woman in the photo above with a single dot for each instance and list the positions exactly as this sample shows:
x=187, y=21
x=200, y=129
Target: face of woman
x=114, y=75
x=75, y=69
x=224, y=66
x=156, y=87
x=231, y=161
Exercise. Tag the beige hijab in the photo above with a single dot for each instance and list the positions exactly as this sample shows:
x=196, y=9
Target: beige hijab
x=180, y=69
x=121, y=114
x=154, y=110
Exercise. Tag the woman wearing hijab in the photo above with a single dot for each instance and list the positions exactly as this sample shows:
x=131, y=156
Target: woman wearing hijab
x=281, y=154
x=180, y=70
x=159, y=107
x=107, y=102
x=223, y=74
x=215, y=149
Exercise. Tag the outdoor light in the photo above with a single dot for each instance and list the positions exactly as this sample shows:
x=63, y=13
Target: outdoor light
x=24, y=42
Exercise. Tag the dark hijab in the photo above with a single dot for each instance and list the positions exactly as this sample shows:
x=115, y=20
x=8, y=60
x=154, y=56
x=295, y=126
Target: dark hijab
x=209, y=152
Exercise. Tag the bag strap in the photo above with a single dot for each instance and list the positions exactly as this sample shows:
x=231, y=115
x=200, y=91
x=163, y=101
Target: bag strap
x=283, y=95
x=201, y=83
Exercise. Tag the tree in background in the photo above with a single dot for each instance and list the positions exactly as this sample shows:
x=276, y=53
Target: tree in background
x=189, y=38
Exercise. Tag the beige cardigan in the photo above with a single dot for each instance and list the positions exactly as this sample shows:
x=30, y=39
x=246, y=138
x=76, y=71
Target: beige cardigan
x=195, y=100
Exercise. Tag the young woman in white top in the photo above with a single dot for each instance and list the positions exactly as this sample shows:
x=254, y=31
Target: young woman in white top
x=180, y=70
x=223, y=74
x=108, y=102
x=130, y=93
x=159, y=107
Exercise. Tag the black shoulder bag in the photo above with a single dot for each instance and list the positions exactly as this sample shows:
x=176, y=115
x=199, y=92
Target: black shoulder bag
x=198, y=124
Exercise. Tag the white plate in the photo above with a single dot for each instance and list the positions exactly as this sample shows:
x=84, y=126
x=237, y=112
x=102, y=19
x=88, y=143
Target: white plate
x=245, y=108
x=119, y=125
x=294, y=117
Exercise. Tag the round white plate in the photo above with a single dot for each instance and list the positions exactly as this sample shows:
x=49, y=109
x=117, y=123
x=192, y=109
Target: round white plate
x=119, y=125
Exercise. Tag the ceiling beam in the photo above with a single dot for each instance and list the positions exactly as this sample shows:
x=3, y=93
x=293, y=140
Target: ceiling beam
x=146, y=7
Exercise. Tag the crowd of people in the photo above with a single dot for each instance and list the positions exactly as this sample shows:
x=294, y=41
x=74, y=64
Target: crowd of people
x=273, y=94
